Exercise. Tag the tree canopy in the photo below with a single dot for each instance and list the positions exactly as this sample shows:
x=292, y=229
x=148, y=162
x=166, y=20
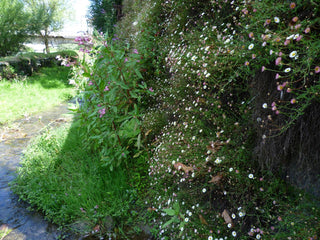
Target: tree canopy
x=47, y=16
x=13, y=27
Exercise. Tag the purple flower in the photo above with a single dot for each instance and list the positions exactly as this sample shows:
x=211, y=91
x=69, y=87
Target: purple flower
x=263, y=68
x=102, y=112
x=278, y=61
x=106, y=89
x=135, y=51
x=90, y=83
x=151, y=90
x=126, y=60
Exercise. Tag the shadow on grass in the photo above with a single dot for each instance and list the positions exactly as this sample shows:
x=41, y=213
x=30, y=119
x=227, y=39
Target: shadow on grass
x=52, y=77
x=69, y=184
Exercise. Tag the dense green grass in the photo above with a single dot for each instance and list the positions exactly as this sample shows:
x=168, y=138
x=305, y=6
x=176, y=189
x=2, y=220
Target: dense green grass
x=44, y=89
x=68, y=184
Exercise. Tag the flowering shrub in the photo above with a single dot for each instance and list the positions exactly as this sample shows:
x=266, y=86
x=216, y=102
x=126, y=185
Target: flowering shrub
x=111, y=98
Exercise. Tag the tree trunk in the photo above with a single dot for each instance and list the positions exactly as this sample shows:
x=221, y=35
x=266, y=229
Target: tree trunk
x=46, y=41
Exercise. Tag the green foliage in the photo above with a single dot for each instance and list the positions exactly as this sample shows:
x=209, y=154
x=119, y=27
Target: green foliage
x=67, y=192
x=13, y=26
x=7, y=72
x=111, y=104
x=104, y=14
x=71, y=187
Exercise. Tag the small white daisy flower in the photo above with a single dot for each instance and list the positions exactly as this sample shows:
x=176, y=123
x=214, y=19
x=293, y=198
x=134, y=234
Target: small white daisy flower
x=218, y=160
x=287, y=70
x=251, y=46
x=293, y=54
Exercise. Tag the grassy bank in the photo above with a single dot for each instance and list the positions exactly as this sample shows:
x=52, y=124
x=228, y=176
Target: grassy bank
x=27, y=95
x=68, y=183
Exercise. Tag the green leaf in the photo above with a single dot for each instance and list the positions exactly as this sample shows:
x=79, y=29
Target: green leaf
x=133, y=94
x=169, y=211
x=176, y=207
x=174, y=219
x=138, y=154
x=138, y=73
x=139, y=141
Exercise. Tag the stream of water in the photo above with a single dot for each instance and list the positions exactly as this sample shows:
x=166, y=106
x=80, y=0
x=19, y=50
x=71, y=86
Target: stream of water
x=14, y=216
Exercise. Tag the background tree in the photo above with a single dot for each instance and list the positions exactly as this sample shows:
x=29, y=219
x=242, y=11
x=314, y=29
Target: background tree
x=47, y=16
x=104, y=14
x=14, y=26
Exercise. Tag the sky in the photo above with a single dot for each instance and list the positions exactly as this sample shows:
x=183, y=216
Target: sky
x=77, y=23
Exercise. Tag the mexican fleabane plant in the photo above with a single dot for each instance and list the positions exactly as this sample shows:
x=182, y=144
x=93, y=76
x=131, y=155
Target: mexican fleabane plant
x=110, y=111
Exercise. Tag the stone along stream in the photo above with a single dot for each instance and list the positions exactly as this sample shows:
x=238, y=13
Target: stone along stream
x=14, y=216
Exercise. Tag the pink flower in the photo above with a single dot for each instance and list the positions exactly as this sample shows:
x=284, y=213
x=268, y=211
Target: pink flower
x=246, y=63
x=251, y=35
x=280, y=88
x=278, y=60
x=102, y=112
x=289, y=90
x=135, y=51
x=280, y=54
x=90, y=83
x=299, y=38
x=253, y=56
x=126, y=60
x=286, y=42
x=295, y=19
x=292, y=5
x=277, y=75
x=151, y=90
x=307, y=30
x=263, y=68
x=293, y=101
x=106, y=89
x=268, y=21
x=317, y=69
x=297, y=26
